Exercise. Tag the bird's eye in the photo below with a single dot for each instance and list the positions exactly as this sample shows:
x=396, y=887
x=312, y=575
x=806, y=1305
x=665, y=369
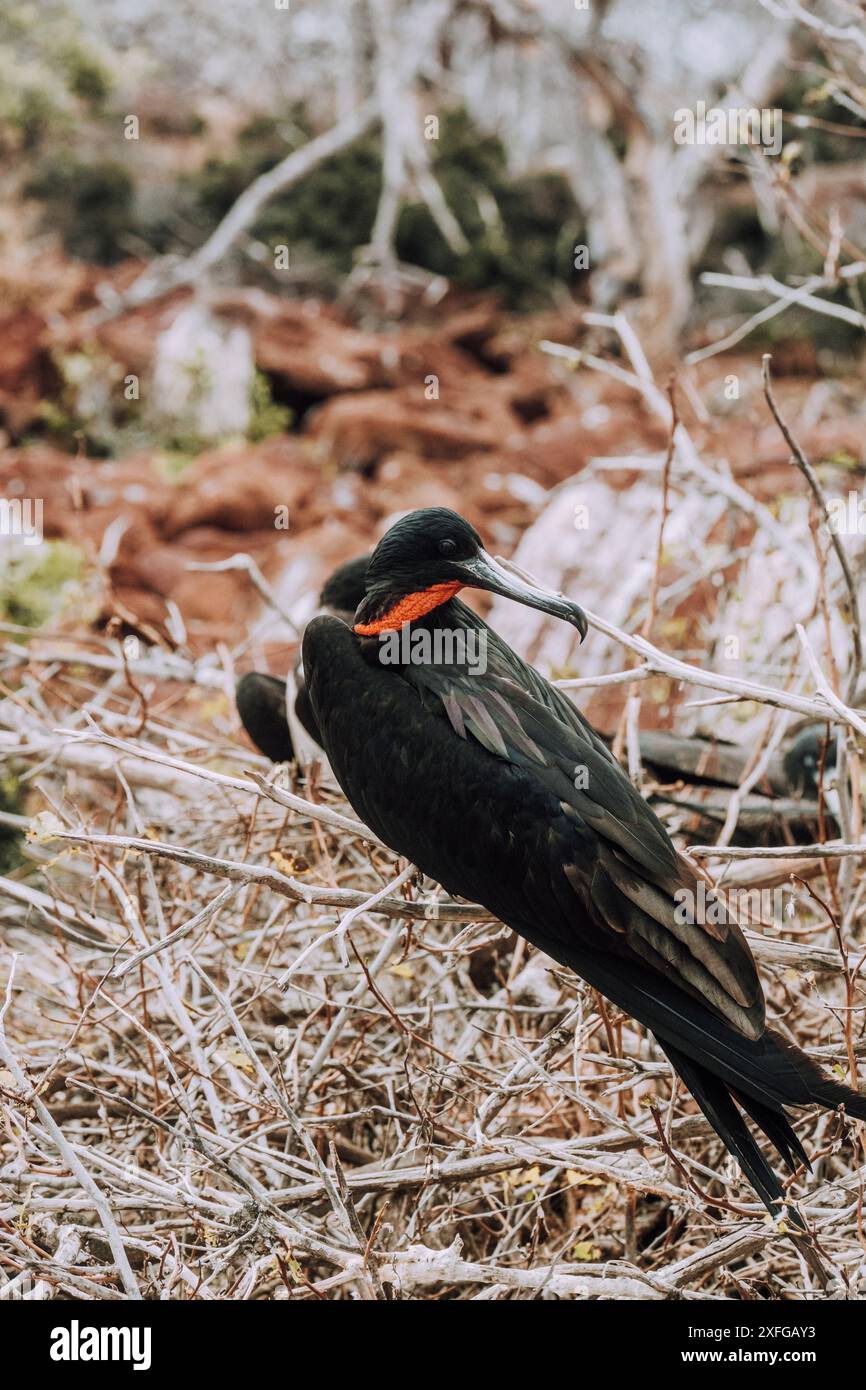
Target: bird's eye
x=447, y=546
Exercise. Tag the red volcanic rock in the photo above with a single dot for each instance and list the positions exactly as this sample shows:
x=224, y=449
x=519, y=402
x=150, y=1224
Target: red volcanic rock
x=222, y=602
x=401, y=485
x=456, y=408
x=356, y=431
x=240, y=488
x=27, y=374
x=215, y=606
x=554, y=449
x=146, y=530
x=82, y=497
x=516, y=338
x=423, y=360
x=311, y=352
x=474, y=326
x=532, y=391
x=130, y=338
x=303, y=344
x=36, y=289
x=145, y=562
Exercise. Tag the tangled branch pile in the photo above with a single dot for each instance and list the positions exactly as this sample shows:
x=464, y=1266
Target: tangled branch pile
x=245, y=1054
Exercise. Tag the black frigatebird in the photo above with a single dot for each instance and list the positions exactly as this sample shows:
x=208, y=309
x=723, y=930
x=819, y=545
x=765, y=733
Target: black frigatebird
x=261, y=698
x=467, y=762
x=703, y=764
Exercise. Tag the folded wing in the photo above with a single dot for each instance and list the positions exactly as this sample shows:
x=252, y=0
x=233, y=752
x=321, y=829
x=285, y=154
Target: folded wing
x=619, y=864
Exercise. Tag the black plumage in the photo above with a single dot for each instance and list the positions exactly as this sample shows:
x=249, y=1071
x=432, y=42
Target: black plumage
x=345, y=588
x=261, y=704
x=261, y=698
x=706, y=766
x=810, y=754
x=494, y=784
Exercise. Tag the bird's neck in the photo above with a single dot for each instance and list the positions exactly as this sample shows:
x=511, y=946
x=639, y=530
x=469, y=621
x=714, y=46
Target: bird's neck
x=389, y=612
x=448, y=637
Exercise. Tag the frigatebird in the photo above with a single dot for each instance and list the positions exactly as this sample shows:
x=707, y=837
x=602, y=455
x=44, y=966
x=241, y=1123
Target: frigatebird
x=261, y=698
x=468, y=763
x=703, y=764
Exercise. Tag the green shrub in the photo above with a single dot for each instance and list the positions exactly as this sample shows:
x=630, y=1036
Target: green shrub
x=90, y=204
x=267, y=416
x=36, y=582
x=12, y=798
x=87, y=77
x=521, y=231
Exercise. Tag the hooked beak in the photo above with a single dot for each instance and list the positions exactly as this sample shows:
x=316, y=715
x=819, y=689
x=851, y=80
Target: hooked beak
x=497, y=577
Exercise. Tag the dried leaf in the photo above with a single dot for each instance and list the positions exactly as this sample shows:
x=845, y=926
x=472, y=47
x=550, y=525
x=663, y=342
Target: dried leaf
x=585, y=1250
x=44, y=826
x=236, y=1058
x=576, y=1179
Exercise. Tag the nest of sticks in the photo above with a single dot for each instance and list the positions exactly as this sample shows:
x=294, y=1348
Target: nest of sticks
x=247, y=1053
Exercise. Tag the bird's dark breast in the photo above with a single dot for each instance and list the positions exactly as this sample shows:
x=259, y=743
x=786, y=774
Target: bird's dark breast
x=490, y=830
x=477, y=825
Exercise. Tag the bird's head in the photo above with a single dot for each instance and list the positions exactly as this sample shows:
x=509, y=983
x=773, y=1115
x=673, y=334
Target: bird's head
x=345, y=588
x=426, y=557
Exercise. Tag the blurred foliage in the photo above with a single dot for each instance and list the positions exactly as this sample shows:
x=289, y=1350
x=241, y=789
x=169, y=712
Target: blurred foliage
x=51, y=73
x=37, y=582
x=171, y=463
x=332, y=210
x=739, y=228
x=55, y=104
x=267, y=416
x=174, y=122
x=12, y=799
x=522, y=231
x=90, y=406
x=179, y=441
x=812, y=90
x=783, y=252
x=90, y=205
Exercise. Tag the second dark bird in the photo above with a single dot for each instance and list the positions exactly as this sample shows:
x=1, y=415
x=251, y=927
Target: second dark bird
x=261, y=698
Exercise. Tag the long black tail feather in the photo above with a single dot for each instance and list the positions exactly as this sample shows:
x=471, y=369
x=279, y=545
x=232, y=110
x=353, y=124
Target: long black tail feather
x=768, y=1069
x=715, y=1101
x=824, y=1091
x=720, y=1109
x=777, y=1127
x=723, y=1069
